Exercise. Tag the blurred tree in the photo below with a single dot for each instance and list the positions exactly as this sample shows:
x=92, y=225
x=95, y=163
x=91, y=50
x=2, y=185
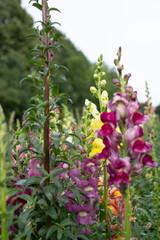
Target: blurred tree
x=80, y=75
x=158, y=110
x=14, y=45
x=15, y=24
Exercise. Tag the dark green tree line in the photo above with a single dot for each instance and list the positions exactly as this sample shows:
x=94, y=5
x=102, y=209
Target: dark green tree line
x=14, y=45
x=15, y=24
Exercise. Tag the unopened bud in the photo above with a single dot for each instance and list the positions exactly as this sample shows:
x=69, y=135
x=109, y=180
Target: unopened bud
x=93, y=90
x=95, y=75
x=148, y=225
x=83, y=136
x=116, y=62
x=103, y=74
x=126, y=77
x=134, y=202
x=116, y=82
x=22, y=176
x=120, y=68
x=103, y=83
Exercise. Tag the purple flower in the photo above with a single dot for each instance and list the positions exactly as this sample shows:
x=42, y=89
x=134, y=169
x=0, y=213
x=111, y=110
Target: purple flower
x=133, y=133
x=90, y=188
x=118, y=178
x=85, y=232
x=142, y=160
x=135, y=117
x=119, y=105
x=108, y=118
x=50, y=55
x=32, y=165
x=75, y=175
x=90, y=167
x=140, y=146
x=83, y=214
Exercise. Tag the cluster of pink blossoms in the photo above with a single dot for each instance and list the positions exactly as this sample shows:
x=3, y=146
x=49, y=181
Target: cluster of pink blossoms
x=124, y=113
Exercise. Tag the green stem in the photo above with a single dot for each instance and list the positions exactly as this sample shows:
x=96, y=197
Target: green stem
x=99, y=94
x=3, y=191
x=122, y=84
x=157, y=200
x=127, y=215
x=126, y=198
x=105, y=198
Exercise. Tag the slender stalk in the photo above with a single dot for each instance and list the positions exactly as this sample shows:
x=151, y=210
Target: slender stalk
x=126, y=195
x=157, y=188
x=105, y=198
x=46, y=90
x=46, y=98
x=3, y=143
x=157, y=200
x=3, y=194
x=127, y=216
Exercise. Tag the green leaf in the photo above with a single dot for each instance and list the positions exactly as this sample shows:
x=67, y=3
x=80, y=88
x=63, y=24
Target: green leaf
x=51, y=211
x=43, y=231
x=59, y=234
x=137, y=230
x=37, y=5
x=21, y=182
x=53, y=9
x=33, y=180
x=55, y=90
x=68, y=222
x=49, y=192
x=50, y=231
x=26, y=197
x=69, y=234
x=42, y=202
x=56, y=172
x=82, y=236
x=60, y=76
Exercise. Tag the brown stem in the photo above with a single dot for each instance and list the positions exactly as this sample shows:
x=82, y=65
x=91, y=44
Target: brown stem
x=46, y=99
x=46, y=90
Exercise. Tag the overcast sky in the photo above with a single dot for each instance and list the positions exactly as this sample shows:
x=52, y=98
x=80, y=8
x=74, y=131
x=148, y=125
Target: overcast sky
x=101, y=26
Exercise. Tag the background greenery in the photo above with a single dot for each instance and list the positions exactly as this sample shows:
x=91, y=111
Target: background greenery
x=15, y=24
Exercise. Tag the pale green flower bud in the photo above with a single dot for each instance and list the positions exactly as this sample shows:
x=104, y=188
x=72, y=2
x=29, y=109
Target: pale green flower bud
x=103, y=74
x=93, y=90
x=104, y=98
x=95, y=75
x=103, y=83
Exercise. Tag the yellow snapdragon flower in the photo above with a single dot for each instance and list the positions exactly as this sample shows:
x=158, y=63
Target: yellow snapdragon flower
x=97, y=147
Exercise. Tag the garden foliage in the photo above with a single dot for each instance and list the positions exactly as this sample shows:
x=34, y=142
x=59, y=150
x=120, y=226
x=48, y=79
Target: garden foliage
x=84, y=180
